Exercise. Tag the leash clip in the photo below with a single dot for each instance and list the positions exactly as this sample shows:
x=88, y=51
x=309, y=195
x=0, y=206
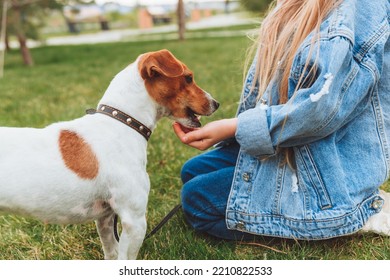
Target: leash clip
x=90, y=111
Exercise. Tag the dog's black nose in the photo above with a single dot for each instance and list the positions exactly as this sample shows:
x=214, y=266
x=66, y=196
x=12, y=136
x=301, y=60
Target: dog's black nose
x=216, y=104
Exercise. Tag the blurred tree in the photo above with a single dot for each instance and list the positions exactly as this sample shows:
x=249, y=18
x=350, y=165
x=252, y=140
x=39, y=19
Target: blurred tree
x=3, y=35
x=256, y=5
x=25, y=17
x=181, y=16
x=227, y=2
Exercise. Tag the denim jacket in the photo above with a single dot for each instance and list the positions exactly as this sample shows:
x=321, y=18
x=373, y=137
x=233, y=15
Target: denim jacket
x=338, y=128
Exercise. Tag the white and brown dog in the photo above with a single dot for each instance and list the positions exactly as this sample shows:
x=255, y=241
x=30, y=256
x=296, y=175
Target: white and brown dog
x=94, y=167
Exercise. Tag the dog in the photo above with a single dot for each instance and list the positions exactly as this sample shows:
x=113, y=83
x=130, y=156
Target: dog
x=94, y=167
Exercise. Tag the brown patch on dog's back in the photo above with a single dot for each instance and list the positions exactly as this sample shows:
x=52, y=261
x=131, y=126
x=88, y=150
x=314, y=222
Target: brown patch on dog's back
x=77, y=155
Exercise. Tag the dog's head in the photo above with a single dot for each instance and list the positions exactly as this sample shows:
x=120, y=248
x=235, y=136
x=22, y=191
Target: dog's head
x=172, y=85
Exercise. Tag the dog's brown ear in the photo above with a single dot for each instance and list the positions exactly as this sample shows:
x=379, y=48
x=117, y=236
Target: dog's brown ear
x=160, y=63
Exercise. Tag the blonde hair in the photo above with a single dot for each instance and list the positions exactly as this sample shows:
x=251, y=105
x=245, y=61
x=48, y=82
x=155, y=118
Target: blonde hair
x=281, y=34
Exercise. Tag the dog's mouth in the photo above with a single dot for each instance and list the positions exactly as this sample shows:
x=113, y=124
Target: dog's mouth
x=193, y=118
x=190, y=118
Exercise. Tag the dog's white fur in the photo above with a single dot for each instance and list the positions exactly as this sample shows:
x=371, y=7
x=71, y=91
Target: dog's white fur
x=34, y=180
x=380, y=222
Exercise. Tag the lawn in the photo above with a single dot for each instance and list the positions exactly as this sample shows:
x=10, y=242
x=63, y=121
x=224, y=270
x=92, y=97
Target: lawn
x=69, y=79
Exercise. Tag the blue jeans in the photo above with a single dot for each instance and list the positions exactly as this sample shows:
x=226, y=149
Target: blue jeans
x=207, y=181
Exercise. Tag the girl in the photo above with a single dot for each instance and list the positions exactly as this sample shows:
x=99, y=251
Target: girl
x=309, y=147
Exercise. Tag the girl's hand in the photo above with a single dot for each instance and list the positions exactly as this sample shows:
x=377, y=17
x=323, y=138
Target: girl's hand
x=207, y=136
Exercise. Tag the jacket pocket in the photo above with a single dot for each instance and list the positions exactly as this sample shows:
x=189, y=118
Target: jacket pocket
x=309, y=172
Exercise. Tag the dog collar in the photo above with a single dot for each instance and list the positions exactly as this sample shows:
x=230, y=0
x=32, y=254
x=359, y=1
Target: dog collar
x=123, y=118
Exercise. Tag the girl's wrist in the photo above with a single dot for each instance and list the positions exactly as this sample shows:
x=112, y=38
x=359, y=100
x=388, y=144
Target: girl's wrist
x=231, y=127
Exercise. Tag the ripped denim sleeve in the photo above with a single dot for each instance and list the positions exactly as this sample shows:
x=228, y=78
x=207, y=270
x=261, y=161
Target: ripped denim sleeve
x=338, y=94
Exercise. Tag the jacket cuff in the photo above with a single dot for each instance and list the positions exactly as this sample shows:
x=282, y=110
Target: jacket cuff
x=252, y=132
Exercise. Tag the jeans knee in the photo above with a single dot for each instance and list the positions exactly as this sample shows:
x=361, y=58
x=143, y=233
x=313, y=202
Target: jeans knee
x=205, y=219
x=191, y=204
x=185, y=172
x=199, y=206
x=187, y=193
x=189, y=170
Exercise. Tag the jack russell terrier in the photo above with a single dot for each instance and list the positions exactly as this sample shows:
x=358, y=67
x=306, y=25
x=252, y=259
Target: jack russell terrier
x=94, y=167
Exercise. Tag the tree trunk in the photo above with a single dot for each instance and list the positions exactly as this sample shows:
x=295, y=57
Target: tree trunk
x=3, y=37
x=6, y=42
x=24, y=50
x=181, y=19
x=227, y=6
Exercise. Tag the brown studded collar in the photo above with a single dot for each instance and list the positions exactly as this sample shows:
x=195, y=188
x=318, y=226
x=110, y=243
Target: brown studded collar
x=122, y=117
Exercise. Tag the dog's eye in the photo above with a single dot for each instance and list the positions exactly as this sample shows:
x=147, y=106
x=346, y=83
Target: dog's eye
x=188, y=79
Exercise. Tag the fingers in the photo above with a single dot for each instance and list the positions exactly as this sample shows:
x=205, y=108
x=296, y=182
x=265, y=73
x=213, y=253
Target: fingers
x=185, y=134
x=183, y=128
x=194, y=138
x=177, y=128
x=201, y=144
x=181, y=131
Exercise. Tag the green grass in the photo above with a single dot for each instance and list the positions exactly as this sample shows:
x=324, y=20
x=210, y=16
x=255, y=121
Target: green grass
x=66, y=80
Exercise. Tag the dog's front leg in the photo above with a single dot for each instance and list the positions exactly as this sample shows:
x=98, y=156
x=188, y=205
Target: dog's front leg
x=133, y=233
x=105, y=227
